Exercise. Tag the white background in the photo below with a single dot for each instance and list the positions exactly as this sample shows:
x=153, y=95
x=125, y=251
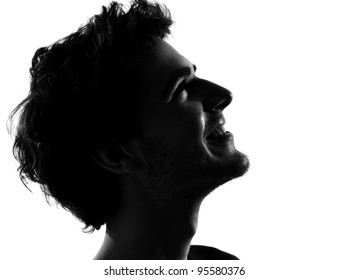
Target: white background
x=286, y=63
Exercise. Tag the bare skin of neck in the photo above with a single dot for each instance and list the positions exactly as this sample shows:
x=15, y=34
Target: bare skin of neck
x=144, y=230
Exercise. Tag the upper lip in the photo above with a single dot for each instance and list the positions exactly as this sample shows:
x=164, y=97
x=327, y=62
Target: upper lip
x=212, y=124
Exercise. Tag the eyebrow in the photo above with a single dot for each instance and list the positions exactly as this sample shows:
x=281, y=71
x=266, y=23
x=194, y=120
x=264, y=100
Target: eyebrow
x=178, y=75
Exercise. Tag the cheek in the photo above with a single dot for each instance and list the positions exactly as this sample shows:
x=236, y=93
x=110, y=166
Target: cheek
x=186, y=126
x=177, y=127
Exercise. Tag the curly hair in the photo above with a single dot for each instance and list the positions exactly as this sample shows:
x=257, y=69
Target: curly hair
x=81, y=89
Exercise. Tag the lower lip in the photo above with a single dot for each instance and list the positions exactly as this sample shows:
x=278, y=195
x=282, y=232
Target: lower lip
x=222, y=138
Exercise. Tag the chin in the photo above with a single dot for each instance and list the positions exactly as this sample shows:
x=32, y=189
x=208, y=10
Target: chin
x=226, y=158
x=215, y=173
x=239, y=164
x=232, y=165
x=177, y=176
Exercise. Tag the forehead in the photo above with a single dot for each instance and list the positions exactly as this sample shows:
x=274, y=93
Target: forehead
x=157, y=66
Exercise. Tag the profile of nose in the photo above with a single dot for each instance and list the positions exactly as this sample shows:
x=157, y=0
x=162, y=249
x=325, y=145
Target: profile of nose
x=216, y=98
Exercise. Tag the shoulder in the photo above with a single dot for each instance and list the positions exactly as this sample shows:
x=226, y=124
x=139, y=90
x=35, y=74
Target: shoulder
x=199, y=252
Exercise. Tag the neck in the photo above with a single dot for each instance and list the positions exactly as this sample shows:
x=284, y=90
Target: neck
x=150, y=233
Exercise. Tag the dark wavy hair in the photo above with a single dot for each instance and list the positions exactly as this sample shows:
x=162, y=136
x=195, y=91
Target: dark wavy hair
x=82, y=91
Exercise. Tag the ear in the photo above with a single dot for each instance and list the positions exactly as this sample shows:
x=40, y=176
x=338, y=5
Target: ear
x=119, y=157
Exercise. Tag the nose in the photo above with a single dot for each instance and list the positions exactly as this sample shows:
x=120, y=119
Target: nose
x=214, y=97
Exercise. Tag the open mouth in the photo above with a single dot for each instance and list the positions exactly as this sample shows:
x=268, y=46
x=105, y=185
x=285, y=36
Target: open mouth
x=217, y=133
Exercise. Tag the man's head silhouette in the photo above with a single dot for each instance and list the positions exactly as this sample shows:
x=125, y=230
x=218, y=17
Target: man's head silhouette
x=119, y=130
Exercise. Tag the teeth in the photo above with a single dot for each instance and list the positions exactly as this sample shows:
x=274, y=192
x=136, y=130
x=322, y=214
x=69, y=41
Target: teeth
x=220, y=130
x=217, y=132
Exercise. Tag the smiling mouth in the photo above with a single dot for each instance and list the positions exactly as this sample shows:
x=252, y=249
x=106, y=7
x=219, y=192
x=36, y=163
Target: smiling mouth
x=218, y=133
